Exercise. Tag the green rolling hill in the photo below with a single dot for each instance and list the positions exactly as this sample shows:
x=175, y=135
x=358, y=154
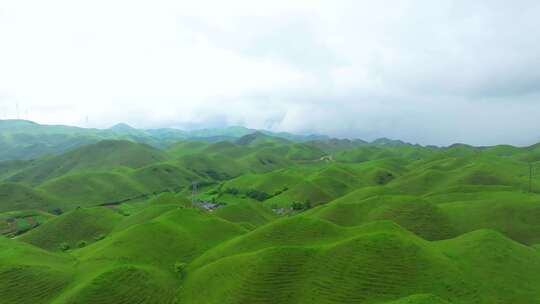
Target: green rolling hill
x=96, y=157
x=85, y=226
x=108, y=216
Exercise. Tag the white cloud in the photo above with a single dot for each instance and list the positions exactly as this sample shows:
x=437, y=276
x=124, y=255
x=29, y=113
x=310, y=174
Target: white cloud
x=425, y=71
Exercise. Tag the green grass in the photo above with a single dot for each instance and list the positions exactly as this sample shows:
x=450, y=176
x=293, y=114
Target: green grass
x=20, y=197
x=97, y=157
x=248, y=213
x=31, y=275
x=77, y=190
x=369, y=265
x=420, y=299
x=424, y=219
x=70, y=229
x=372, y=264
x=515, y=215
x=178, y=235
x=127, y=284
x=387, y=223
x=506, y=271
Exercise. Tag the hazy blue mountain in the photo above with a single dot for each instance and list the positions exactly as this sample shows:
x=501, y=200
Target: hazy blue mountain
x=22, y=139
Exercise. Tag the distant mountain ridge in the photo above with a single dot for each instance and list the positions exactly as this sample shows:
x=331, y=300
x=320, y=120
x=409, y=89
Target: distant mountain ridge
x=23, y=139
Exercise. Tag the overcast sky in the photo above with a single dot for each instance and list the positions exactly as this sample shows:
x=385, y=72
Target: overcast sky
x=431, y=72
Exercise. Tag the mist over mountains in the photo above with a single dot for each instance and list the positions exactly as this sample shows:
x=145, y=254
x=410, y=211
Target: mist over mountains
x=23, y=139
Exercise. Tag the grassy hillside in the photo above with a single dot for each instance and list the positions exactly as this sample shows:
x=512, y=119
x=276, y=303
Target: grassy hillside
x=76, y=228
x=275, y=220
x=31, y=275
x=96, y=157
x=246, y=213
x=380, y=262
x=15, y=196
x=178, y=235
x=126, y=284
x=317, y=183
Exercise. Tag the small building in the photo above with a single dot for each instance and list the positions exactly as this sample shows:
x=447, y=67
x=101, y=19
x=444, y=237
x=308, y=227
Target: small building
x=208, y=205
x=279, y=211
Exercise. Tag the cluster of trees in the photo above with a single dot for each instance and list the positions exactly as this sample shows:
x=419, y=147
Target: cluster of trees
x=65, y=246
x=383, y=177
x=233, y=191
x=298, y=206
x=252, y=193
x=258, y=195
x=255, y=194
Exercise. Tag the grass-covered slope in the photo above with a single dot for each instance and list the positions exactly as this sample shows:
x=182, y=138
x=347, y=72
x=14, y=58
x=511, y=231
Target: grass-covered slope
x=425, y=219
x=91, y=189
x=72, y=229
x=96, y=157
x=419, y=299
x=178, y=235
x=15, y=196
x=101, y=173
x=505, y=271
x=317, y=183
x=311, y=261
x=326, y=221
x=31, y=275
x=247, y=213
x=126, y=284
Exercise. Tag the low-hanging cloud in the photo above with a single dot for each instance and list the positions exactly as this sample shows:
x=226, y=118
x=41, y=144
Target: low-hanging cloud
x=432, y=72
